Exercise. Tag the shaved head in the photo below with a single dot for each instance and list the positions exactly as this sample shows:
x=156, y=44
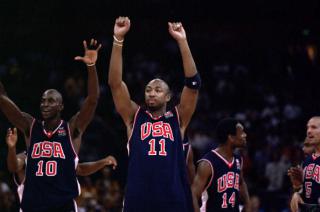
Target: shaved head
x=57, y=95
x=160, y=82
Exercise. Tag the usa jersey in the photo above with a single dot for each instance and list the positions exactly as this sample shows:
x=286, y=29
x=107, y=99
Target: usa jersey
x=223, y=186
x=311, y=180
x=51, y=169
x=157, y=179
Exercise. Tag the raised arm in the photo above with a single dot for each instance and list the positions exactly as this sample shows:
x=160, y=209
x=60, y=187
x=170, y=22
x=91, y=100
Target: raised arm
x=199, y=183
x=120, y=94
x=85, y=169
x=81, y=120
x=13, y=113
x=190, y=91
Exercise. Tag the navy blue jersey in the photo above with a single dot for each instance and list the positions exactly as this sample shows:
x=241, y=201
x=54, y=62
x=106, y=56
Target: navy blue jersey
x=311, y=180
x=50, y=179
x=223, y=186
x=157, y=179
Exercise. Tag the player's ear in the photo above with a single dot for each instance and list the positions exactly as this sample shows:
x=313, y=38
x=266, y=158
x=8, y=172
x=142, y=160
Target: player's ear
x=61, y=107
x=168, y=96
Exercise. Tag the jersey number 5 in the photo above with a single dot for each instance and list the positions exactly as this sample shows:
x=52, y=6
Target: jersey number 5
x=50, y=168
x=152, y=144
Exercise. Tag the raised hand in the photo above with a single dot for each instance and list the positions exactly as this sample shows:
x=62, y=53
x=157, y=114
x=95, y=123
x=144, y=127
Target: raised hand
x=121, y=27
x=12, y=137
x=90, y=52
x=296, y=176
x=110, y=160
x=176, y=30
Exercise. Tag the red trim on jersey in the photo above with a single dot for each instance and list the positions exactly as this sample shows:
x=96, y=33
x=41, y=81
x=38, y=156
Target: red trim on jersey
x=70, y=139
x=188, y=153
x=50, y=134
x=314, y=156
x=134, y=122
x=212, y=173
x=153, y=117
x=229, y=164
x=178, y=116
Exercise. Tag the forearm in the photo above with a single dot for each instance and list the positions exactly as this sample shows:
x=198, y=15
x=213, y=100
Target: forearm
x=115, y=67
x=195, y=199
x=189, y=65
x=13, y=113
x=244, y=194
x=12, y=160
x=88, y=168
x=93, y=83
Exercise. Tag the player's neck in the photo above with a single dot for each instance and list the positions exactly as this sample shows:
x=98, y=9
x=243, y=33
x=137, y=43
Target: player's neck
x=226, y=152
x=51, y=124
x=157, y=113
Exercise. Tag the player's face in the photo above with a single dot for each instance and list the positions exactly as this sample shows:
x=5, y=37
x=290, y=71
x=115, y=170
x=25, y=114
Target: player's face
x=313, y=131
x=241, y=136
x=50, y=105
x=156, y=94
x=307, y=148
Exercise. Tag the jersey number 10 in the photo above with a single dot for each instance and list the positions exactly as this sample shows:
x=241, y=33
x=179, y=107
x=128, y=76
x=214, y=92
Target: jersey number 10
x=50, y=168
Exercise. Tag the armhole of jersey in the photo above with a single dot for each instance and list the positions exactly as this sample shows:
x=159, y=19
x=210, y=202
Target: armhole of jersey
x=212, y=172
x=241, y=163
x=76, y=158
x=30, y=131
x=178, y=116
x=133, y=126
x=15, y=180
x=188, y=153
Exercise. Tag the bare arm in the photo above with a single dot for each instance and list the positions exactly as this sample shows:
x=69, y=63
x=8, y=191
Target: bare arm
x=244, y=194
x=81, y=120
x=189, y=96
x=13, y=113
x=190, y=165
x=200, y=181
x=120, y=94
x=85, y=169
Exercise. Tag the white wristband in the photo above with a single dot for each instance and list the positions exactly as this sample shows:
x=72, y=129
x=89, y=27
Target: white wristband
x=116, y=39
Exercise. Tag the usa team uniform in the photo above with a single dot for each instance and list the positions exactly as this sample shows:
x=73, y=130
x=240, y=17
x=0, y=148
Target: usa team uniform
x=311, y=180
x=157, y=178
x=50, y=183
x=223, y=187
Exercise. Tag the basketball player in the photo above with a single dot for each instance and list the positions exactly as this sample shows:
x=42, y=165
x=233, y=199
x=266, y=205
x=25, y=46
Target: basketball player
x=157, y=178
x=309, y=198
x=219, y=172
x=16, y=162
x=52, y=144
x=295, y=173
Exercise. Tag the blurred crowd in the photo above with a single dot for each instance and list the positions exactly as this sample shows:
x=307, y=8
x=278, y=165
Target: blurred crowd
x=269, y=85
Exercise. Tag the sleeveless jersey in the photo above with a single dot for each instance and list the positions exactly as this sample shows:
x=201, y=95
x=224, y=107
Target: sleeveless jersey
x=311, y=180
x=223, y=187
x=157, y=178
x=51, y=169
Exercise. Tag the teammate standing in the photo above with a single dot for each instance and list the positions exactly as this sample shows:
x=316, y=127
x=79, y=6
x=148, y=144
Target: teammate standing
x=219, y=172
x=157, y=179
x=309, y=197
x=52, y=144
